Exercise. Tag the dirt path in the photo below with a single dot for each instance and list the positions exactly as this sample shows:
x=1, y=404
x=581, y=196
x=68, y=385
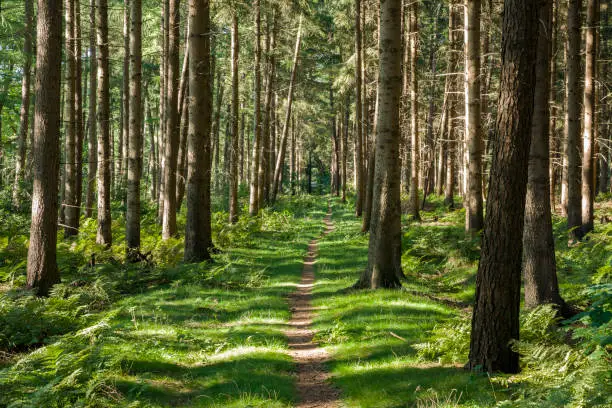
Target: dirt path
x=313, y=387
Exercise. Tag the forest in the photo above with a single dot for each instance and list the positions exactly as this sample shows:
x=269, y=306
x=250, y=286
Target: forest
x=305, y=203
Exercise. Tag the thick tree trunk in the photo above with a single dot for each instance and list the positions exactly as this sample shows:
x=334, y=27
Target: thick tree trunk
x=233, y=200
x=495, y=320
x=104, y=235
x=473, y=130
x=198, y=235
x=572, y=129
x=24, y=113
x=135, y=130
x=384, y=255
x=539, y=265
x=173, y=128
x=254, y=202
x=42, y=271
x=590, y=76
x=415, y=146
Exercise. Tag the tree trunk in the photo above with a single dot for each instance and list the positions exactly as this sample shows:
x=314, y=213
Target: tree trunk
x=264, y=182
x=415, y=149
x=198, y=235
x=384, y=256
x=473, y=130
x=574, y=219
x=280, y=161
x=553, y=138
x=495, y=320
x=590, y=76
x=539, y=265
x=24, y=113
x=104, y=235
x=453, y=88
x=135, y=131
x=124, y=144
x=173, y=128
x=367, y=214
x=359, y=183
x=42, y=271
x=233, y=202
x=345, y=131
x=254, y=198
x=92, y=146
x=78, y=103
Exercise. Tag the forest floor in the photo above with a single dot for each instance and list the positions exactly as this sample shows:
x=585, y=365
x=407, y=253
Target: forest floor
x=255, y=329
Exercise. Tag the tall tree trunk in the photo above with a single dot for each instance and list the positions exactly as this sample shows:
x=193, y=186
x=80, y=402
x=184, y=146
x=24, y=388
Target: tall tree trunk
x=135, y=131
x=367, y=211
x=216, y=130
x=42, y=271
x=254, y=187
x=78, y=103
x=92, y=143
x=104, y=235
x=574, y=219
x=345, y=131
x=182, y=152
x=590, y=76
x=124, y=147
x=473, y=130
x=264, y=182
x=71, y=211
x=539, y=265
x=384, y=255
x=453, y=88
x=564, y=184
x=172, y=130
x=495, y=318
x=283, y=146
x=233, y=201
x=415, y=149
x=24, y=113
x=553, y=137
x=198, y=235
x=359, y=182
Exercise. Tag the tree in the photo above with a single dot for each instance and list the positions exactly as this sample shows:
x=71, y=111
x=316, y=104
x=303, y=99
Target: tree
x=495, y=319
x=254, y=187
x=104, y=235
x=451, y=88
x=473, y=131
x=172, y=123
x=92, y=151
x=198, y=235
x=414, y=114
x=233, y=204
x=42, y=271
x=384, y=252
x=24, y=113
x=588, y=156
x=539, y=265
x=359, y=179
x=132, y=234
x=572, y=127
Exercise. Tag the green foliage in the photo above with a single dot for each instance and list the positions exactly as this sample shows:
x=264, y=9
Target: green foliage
x=450, y=343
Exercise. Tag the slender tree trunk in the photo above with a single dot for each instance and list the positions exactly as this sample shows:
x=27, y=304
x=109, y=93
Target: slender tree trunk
x=564, y=180
x=135, y=131
x=574, y=219
x=415, y=148
x=254, y=187
x=104, y=235
x=384, y=255
x=359, y=184
x=473, y=130
x=233, y=201
x=198, y=235
x=264, y=182
x=124, y=147
x=345, y=131
x=590, y=76
x=42, y=271
x=24, y=113
x=553, y=137
x=453, y=88
x=78, y=103
x=173, y=128
x=182, y=152
x=92, y=144
x=283, y=146
x=495, y=318
x=367, y=214
x=539, y=265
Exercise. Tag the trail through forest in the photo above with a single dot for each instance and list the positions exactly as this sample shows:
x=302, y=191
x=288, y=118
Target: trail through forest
x=312, y=383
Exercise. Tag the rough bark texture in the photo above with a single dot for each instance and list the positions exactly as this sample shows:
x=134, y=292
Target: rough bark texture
x=572, y=129
x=384, y=255
x=539, y=266
x=473, y=131
x=233, y=200
x=253, y=197
x=495, y=320
x=198, y=235
x=42, y=270
x=104, y=235
x=135, y=131
x=590, y=76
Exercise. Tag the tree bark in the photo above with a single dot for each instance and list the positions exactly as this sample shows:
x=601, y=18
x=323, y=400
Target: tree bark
x=359, y=183
x=254, y=187
x=198, y=235
x=92, y=146
x=79, y=103
x=104, y=234
x=495, y=320
x=451, y=143
x=233, y=201
x=124, y=141
x=42, y=271
x=415, y=148
x=384, y=255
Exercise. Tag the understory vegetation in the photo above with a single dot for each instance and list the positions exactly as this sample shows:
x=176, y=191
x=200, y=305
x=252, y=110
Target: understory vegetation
x=162, y=333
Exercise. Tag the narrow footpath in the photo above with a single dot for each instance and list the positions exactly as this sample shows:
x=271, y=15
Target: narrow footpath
x=313, y=386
